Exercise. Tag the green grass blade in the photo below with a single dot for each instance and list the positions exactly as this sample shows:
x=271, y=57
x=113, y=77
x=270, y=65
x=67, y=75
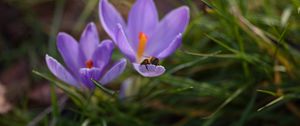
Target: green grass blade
x=202, y=89
x=267, y=92
x=227, y=101
x=104, y=89
x=271, y=103
x=222, y=44
x=76, y=97
x=189, y=64
x=89, y=8
x=247, y=111
x=54, y=103
x=58, y=14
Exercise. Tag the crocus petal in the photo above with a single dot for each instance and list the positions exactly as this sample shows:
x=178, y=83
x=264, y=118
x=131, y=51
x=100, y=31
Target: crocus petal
x=149, y=70
x=142, y=17
x=109, y=18
x=69, y=50
x=60, y=72
x=102, y=54
x=89, y=40
x=87, y=74
x=125, y=90
x=114, y=72
x=123, y=44
x=174, y=23
x=171, y=48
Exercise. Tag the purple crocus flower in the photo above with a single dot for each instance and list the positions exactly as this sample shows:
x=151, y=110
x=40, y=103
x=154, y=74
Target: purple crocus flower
x=144, y=35
x=85, y=60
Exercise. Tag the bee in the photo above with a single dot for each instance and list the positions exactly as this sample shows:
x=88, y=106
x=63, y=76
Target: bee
x=151, y=60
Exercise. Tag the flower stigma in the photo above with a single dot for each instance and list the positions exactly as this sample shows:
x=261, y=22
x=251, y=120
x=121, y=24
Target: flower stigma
x=141, y=46
x=89, y=64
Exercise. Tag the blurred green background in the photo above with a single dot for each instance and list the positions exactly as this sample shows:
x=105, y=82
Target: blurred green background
x=239, y=64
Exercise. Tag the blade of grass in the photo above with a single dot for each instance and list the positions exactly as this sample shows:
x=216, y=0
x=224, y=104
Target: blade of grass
x=286, y=16
x=59, y=6
x=210, y=121
x=189, y=64
x=54, y=104
x=43, y=115
x=202, y=89
x=267, y=92
x=280, y=42
x=77, y=98
x=227, y=101
x=104, y=89
x=194, y=7
x=247, y=111
x=103, y=122
x=158, y=93
x=271, y=103
x=237, y=35
x=222, y=44
x=86, y=122
x=215, y=54
x=89, y=8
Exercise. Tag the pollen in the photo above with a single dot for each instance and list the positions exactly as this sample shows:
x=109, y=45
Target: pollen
x=141, y=46
x=89, y=64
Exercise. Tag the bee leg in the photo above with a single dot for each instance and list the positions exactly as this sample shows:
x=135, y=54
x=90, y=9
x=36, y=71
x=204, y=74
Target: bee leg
x=146, y=67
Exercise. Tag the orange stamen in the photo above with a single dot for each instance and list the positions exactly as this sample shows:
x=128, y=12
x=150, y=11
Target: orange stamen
x=141, y=46
x=89, y=64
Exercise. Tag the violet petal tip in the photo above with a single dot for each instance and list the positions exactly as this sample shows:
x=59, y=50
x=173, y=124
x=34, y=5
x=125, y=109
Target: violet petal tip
x=149, y=70
x=114, y=72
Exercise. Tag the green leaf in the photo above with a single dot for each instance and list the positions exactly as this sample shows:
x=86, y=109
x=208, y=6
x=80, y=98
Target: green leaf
x=104, y=89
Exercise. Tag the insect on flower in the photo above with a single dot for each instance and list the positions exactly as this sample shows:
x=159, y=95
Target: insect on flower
x=144, y=34
x=150, y=60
